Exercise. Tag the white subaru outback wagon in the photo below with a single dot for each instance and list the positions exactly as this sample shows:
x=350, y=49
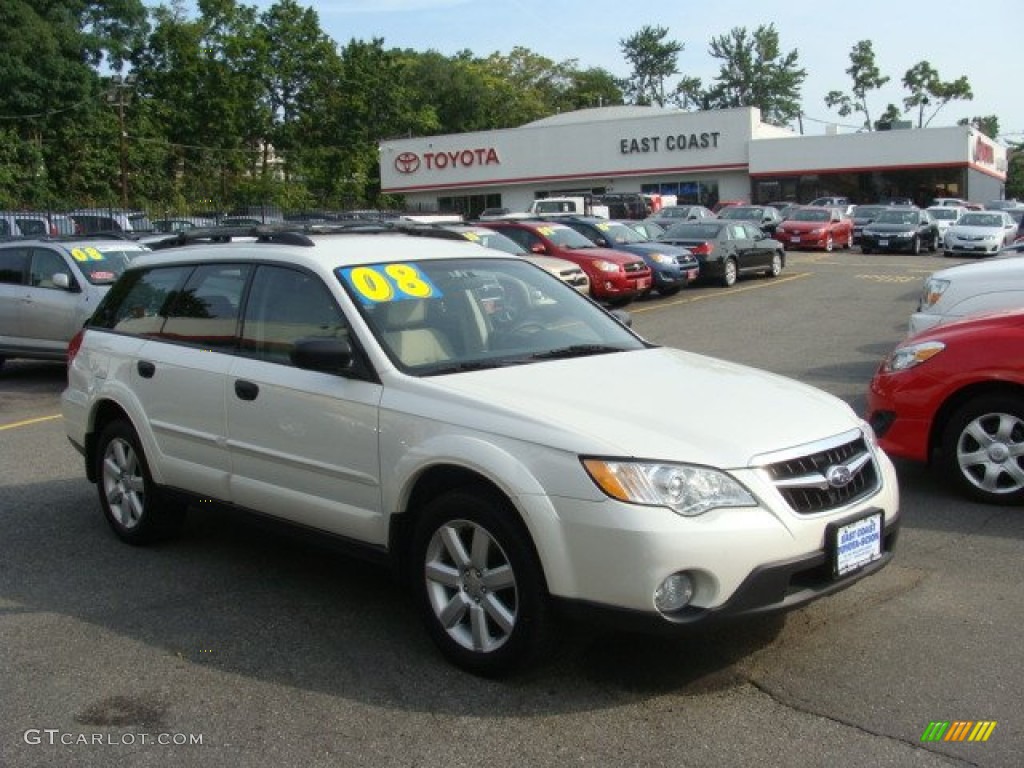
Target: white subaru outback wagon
x=478, y=423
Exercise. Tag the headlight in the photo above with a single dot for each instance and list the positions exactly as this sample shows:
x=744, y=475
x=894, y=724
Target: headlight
x=662, y=258
x=685, y=489
x=933, y=290
x=905, y=358
x=606, y=266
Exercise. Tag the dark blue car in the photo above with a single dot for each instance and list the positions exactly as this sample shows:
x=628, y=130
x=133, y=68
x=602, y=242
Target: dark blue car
x=672, y=267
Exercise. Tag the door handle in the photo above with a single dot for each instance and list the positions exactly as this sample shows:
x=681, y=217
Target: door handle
x=246, y=390
x=145, y=368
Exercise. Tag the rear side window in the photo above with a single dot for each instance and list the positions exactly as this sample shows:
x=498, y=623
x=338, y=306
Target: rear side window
x=14, y=265
x=138, y=303
x=33, y=227
x=206, y=311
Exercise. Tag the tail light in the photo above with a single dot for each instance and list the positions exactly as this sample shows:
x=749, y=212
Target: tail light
x=75, y=345
x=704, y=249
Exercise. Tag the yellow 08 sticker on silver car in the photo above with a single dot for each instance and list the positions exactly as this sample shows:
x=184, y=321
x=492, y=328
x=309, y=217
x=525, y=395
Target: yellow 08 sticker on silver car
x=390, y=282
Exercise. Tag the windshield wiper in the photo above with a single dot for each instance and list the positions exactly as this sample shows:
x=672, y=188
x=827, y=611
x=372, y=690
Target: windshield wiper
x=473, y=365
x=576, y=350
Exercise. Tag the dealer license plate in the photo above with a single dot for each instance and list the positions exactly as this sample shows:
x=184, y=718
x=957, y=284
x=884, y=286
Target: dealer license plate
x=883, y=243
x=794, y=239
x=856, y=544
x=692, y=274
x=643, y=282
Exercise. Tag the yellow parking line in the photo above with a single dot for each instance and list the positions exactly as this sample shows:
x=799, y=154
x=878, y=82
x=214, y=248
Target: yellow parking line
x=28, y=422
x=718, y=294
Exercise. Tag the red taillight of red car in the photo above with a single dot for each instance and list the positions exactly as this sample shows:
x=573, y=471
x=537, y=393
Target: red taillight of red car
x=704, y=249
x=75, y=345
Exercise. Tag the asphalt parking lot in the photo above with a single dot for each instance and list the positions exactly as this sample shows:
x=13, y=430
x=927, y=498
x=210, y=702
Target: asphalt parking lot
x=236, y=646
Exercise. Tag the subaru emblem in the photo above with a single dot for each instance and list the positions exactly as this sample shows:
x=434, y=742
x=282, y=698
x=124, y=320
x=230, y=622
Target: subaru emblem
x=838, y=476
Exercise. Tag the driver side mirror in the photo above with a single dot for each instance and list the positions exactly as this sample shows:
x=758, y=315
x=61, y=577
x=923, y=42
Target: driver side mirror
x=62, y=280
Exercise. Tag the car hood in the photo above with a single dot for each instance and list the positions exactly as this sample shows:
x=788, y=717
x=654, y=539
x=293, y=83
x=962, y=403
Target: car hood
x=659, y=403
x=960, y=229
x=995, y=271
x=592, y=254
x=973, y=327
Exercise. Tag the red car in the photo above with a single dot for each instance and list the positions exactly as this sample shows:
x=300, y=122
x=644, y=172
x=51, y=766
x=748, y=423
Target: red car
x=953, y=396
x=815, y=227
x=616, y=277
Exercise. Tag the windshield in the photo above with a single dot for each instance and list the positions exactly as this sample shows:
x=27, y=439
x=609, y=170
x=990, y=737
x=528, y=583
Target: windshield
x=946, y=213
x=103, y=264
x=564, y=237
x=437, y=317
x=896, y=217
x=806, y=214
x=742, y=212
x=674, y=212
x=981, y=220
x=692, y=231
x=489, y=238
x=619, y=234
x=867, y=211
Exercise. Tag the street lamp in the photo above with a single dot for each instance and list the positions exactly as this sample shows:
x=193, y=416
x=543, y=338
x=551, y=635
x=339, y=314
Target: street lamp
x=119, y=96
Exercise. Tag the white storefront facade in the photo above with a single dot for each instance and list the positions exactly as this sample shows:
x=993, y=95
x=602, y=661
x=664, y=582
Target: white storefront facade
x=700, y=157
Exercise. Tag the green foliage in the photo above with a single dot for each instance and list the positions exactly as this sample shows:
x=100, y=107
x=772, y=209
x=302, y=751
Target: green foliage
x=927, y=90
x=865, y=77
x=753, y=73
x=988, y=124
x=653, y=59
x=1015, y=172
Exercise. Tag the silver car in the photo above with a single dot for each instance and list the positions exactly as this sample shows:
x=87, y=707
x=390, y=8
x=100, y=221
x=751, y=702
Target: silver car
x=49, y=288
x=980, y=233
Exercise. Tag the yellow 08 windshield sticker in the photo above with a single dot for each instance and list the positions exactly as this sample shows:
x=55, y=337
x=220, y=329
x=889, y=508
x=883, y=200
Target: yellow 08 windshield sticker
x=86, y=254
x=391, y=282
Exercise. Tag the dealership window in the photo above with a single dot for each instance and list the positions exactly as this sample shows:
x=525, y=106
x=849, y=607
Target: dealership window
x=686, y=192
x=468, y=205
x=862, y=187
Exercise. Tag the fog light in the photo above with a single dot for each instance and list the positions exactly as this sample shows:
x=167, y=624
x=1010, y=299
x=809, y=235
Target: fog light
x=674, y=593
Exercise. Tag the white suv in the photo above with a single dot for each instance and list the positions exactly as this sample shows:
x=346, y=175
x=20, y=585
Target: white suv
x=478, y=423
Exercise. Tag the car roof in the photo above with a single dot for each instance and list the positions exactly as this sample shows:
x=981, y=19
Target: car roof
x=83, y=241
x=322, y=252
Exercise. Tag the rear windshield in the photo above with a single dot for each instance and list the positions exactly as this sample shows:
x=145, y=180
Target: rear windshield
x=698, y=231
x=103, y=264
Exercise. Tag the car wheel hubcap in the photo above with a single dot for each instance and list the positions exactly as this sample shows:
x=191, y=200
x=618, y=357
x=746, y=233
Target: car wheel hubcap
x=471, y=586
x=123, y=484
x=990, y=453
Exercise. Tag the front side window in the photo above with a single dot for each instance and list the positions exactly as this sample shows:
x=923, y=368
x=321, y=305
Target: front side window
x=447, y=316
x=286, y=305
x=46, y=264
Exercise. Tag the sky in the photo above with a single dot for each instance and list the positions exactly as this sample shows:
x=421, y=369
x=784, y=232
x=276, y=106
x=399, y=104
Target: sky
x=956, y=38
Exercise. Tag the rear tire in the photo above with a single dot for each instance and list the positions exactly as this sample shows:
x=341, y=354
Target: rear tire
x=982, y=449
x=730, y=272
x=138, y=510
x=478, y=584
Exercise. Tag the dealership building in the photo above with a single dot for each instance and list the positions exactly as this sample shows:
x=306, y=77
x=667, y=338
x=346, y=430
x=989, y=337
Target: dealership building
x=700, y=157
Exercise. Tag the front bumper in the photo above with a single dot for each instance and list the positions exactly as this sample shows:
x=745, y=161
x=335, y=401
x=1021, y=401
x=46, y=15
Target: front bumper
x=887, y=242
x=972, y=248
x=771, y=588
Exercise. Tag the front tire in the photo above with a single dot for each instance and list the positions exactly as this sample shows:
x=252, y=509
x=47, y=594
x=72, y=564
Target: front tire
x=982, y=449
x=865, y=248
x=137, y=509
x=915, y=246
x=478, y=584
x=776, y=268
x=829, y=244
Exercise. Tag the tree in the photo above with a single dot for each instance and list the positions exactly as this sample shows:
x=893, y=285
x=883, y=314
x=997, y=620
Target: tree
x=754, y=73
x=1015, y=172
x=987, y=124
x=594, y=87
x=653, y=60
x=927, y=90
x=891, y=115
x=865, y=76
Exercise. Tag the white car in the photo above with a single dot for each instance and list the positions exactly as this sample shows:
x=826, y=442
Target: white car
x=945, y=217
x=476, y=422
x=970, y=289
x=980, y=233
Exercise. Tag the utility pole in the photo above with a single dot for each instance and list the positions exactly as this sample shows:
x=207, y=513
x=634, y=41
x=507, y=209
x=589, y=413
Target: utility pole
x=119, y=96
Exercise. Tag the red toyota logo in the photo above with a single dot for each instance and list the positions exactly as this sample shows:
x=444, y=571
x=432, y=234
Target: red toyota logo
x=407, y=162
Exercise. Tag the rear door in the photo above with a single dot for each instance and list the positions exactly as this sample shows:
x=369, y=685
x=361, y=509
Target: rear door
x=14, y=261
x=303, y=444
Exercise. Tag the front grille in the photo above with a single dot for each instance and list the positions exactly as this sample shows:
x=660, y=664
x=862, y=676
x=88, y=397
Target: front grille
x=636, y=266
x=827, y=479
